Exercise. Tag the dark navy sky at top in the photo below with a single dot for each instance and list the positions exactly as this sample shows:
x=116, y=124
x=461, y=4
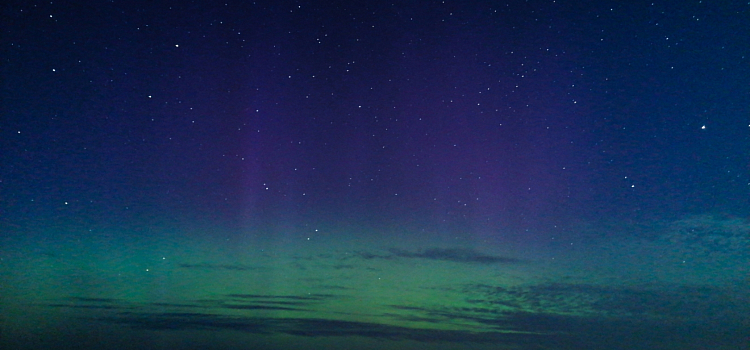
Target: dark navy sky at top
x=441, y=114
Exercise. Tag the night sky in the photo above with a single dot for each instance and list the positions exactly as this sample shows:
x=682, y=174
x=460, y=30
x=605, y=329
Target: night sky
x=432, y=115
x=379, y=175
